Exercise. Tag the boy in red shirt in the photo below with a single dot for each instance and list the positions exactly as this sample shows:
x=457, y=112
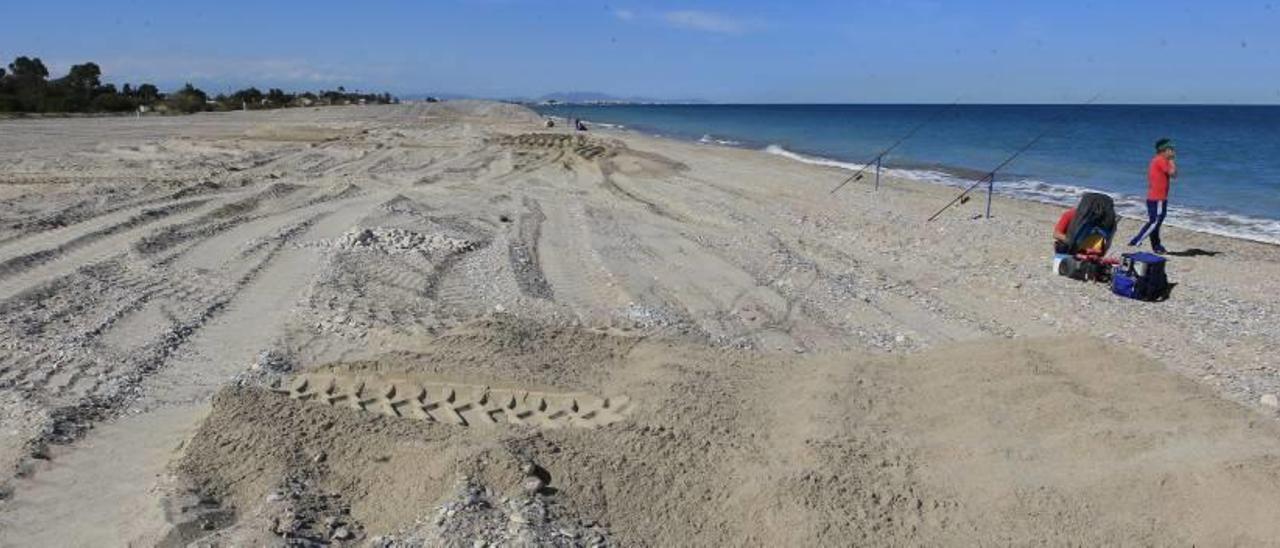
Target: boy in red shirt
x=1162, y=169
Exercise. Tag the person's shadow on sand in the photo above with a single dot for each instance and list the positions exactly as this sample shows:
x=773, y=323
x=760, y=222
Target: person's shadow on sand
x=1194, y=252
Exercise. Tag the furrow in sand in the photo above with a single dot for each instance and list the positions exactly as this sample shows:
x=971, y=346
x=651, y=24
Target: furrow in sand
x=46, y=230
x=28, y=261
x=220, y=219
x=522, y=252
x=218, y=343
x=95, y=250
x=573, y=268
x=128, y=371
x=611, y=182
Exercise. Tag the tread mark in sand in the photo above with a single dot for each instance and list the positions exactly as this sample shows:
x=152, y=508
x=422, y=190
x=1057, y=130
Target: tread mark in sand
x=458, y=404
x=522, y=253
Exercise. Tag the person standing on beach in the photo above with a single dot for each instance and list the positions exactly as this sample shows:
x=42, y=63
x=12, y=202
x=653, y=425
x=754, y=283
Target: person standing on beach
x=1160, y=172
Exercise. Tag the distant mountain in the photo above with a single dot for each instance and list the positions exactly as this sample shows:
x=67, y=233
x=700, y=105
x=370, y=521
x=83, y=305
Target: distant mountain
x=580, y=97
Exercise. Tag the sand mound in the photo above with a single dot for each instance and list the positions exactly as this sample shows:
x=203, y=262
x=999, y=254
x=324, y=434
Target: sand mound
x=484, y=110
x=1012, y=442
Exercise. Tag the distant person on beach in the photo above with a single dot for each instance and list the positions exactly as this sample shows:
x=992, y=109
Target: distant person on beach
x=579, y=124
x=1160, y=172
x=550, y=123
x=1060, y=244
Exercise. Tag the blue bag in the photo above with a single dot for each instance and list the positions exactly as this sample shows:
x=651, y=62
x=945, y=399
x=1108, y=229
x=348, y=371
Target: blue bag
x=1140, y=276
x=1122, y=283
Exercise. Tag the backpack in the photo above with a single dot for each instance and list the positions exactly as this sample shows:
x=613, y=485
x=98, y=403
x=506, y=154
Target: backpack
x=1095, y=219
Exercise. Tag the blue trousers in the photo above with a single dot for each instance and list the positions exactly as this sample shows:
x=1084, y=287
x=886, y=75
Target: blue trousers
x=1156, y=210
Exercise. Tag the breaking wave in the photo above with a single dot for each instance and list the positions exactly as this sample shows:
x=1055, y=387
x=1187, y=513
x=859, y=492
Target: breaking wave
x=1201, y=220
x=710, y=140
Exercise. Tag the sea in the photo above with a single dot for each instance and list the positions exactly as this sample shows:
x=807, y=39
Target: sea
x=1228, y=156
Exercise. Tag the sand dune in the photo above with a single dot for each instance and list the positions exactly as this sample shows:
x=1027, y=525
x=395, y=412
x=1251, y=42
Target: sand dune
x=374, y=325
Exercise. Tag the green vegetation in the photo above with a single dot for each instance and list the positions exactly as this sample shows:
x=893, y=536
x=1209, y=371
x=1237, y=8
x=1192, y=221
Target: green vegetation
x=25, y=87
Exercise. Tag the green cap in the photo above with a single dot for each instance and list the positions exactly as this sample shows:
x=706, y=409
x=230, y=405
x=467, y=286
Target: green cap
x=1163, y=144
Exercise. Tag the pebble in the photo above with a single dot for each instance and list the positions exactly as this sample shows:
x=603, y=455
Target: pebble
x=1270, y=400
x=342, y=533
x=532, y=484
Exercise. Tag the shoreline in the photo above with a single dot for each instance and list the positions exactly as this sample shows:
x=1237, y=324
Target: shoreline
x=1203, y=220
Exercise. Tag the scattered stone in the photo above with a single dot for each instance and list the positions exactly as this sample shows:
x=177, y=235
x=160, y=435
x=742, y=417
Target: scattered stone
x=1270, y=400
x=532, y=484
x=342, y=533
x=399, y=240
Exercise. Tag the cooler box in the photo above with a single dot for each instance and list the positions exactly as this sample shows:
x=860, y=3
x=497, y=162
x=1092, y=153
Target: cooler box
x=1140, y=276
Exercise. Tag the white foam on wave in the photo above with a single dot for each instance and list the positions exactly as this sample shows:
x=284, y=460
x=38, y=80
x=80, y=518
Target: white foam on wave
x=814, y=160
x=1208, y=221
x=707, y=139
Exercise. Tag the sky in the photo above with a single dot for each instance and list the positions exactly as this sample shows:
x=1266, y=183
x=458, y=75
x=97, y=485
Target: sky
x=854, y=51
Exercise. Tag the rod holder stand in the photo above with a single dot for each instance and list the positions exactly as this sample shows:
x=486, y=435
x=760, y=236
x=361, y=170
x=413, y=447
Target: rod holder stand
x=878, y=161
x=991, y=186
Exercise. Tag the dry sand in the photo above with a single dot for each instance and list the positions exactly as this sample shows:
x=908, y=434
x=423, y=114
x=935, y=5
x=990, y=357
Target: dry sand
x=442, y=324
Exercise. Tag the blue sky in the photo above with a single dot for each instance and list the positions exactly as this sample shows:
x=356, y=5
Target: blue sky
x=745, y=51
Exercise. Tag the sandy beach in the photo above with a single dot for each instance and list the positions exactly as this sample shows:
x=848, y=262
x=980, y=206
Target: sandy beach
x=444, y=324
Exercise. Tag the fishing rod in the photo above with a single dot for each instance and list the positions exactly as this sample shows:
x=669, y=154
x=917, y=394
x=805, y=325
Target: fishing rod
x=878, y=157
x=990, y=177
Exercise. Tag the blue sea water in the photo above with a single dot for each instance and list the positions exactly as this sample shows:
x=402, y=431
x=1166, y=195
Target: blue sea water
x=1228, y=156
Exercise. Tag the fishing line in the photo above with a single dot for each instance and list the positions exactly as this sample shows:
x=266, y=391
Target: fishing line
x=908, y=135
x=991, y=175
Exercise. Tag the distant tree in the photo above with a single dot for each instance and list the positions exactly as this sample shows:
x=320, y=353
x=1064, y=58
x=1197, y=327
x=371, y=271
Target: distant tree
x=26, y=67
x=278, y=97
x=25, y=87
x=148, y=93
x=113, y=102
x=83, y=78
x=188, y=99
x=248, y=96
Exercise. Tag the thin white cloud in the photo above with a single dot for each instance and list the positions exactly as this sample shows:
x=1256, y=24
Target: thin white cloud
x=706, y=21
x=624, y=14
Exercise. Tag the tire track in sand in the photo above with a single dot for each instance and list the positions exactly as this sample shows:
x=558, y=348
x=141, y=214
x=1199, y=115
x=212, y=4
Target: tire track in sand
x=31, y=260
x=133, y=451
